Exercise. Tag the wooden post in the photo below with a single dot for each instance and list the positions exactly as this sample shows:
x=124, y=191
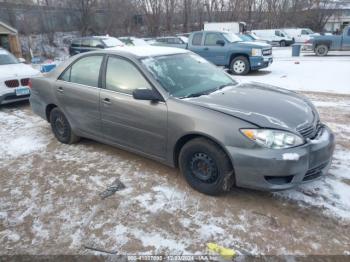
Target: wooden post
x=15, y=46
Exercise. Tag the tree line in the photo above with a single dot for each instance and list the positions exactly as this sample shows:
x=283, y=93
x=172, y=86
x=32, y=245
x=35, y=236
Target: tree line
x=161, y=17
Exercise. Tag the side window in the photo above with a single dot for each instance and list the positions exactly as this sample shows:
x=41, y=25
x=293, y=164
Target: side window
x=197, y=39
x=211, y=38
x=85, y=43
x=85, y=71
x=122, y=76
x=76, y=43
x=304, y=32
x=277, y=33
x=95, y=43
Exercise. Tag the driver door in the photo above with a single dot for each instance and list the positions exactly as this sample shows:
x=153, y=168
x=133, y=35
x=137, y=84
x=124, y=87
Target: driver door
x=346, y=39
x=213, y=52
x=136, y=124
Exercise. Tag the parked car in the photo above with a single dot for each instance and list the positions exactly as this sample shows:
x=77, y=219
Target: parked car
x=92, y=43
x=249, y=37
x=274, y=36
x=300, y=35
x=14, y=78
x=171, y=41
x=230, y=51
x=173, y=106
x=133, y=41
x=324, y=43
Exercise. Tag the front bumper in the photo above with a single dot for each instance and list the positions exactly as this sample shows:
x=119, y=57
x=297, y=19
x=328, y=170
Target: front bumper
x=9, y=96
x=259, y=62
x=273, y=170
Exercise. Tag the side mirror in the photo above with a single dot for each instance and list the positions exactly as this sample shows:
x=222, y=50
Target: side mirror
x=220, y=42
x=147, y=94
x=21, y=60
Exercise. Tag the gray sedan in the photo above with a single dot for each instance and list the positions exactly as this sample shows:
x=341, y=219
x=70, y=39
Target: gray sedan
x=173, y=106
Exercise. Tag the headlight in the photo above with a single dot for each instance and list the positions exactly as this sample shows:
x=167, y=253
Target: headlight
x=256, y=52
x=274, y=139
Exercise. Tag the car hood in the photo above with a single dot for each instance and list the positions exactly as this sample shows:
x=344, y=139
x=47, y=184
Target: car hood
x=253, y=44
x=263, y=105
x=17, y=71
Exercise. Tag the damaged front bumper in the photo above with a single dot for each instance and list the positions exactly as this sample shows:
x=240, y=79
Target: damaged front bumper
x=273, y=170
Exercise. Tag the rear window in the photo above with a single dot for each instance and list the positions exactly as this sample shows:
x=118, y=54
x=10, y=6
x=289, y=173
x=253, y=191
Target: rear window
x=76, y=43
x=197, y=39
x=6, y=58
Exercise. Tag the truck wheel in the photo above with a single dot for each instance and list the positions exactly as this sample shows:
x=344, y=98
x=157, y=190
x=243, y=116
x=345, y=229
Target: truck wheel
x=61, y=127
x=240, y=65
x=283, y=43
x=321, y=50
x=206, y=167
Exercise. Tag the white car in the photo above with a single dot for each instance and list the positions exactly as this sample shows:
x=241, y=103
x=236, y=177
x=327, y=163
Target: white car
x=300, y=35
x=14, y=78
x=274, y=36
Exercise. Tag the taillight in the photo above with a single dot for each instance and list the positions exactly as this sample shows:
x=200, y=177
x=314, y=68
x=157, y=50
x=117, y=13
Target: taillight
x=30, y=83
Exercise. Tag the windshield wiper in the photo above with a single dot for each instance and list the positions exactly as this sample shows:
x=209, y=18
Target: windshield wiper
x=206, y=92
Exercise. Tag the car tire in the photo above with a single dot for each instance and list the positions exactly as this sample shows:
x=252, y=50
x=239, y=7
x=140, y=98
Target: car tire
x=61, y=127
x=206, y=167
x=321, y=50
x=240, y=65
x=283, y=43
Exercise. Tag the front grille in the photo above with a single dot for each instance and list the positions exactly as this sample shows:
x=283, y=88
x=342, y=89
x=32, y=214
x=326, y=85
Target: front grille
x=310, y=131
x=25, y=81
x=314, y=172
x=12, y=83
x=267, y=52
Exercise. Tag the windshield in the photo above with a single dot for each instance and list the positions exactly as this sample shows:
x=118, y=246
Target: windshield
x=245, y=38
x=7, y=58
x=187, y=75
x=310, y=32
x=112, y=42
x=232, y=37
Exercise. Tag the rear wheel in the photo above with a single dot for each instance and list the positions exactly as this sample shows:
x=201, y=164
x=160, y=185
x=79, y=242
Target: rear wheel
x=240, y=65
x=321, y=50
x=206, y=167
x=61, y=127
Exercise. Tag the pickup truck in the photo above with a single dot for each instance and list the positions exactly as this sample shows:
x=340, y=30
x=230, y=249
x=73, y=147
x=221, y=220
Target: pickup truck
x=324, y=43
x=230, y=51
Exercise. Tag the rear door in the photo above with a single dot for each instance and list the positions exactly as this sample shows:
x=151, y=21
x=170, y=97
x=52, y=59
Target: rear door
x=346, y=39
x=212, y=51
x=196, y=44
x=139, y=125
x=78, y=93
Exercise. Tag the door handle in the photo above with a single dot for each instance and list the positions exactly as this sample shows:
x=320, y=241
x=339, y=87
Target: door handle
x=60, y=89
x=107, y=101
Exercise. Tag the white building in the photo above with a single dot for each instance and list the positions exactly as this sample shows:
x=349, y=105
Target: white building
x=340, y=18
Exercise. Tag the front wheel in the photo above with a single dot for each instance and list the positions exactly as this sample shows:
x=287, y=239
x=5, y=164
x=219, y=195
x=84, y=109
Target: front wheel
x=321, y=50
x=240, y=65
x=206, y=167
x=61, y=127
x=283, y=43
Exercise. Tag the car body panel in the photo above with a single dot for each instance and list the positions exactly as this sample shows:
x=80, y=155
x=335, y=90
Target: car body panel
x=157, y=129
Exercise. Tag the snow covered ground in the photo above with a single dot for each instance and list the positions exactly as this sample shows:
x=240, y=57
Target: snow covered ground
x=50, y=202
x=307, y=72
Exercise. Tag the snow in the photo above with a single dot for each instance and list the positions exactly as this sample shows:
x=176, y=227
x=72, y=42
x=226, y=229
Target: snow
x=306, y=73
x=290, y=156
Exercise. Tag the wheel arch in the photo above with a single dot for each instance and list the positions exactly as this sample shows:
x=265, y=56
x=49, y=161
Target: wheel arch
x=48, y=110
x=327, y=43
x=234, y=55
x=188, y=137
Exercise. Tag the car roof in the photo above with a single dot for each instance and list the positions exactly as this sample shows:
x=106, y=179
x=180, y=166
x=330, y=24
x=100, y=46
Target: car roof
x=146, y=51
